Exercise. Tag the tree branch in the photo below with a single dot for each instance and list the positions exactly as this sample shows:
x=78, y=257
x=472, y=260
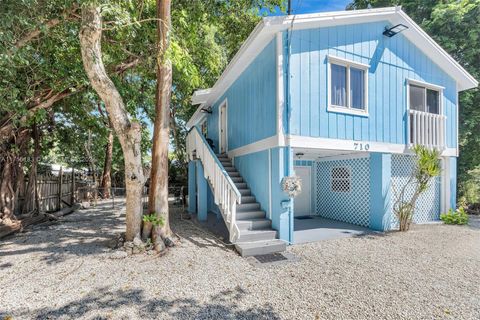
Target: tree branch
x=50, y=98
x=36, y=32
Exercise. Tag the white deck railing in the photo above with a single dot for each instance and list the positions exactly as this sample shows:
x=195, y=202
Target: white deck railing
x=225, y=193
x=427, y=129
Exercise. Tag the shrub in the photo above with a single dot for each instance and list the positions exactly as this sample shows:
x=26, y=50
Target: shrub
x=427, y=166
x=458, y=216
x=153, y=219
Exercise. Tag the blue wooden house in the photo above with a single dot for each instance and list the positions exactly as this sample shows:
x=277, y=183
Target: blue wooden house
x=337, y=99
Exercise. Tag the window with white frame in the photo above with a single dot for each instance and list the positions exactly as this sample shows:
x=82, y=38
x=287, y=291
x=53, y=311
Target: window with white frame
x=341, y=179
x=426, y=119
x=348, y=90
x=424, y=99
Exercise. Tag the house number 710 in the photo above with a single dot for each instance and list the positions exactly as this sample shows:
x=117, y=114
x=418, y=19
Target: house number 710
x=361, y=146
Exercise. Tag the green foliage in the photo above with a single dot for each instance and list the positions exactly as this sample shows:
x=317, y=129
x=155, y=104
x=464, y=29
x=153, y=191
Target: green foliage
x=458, y=216
x=153, y=219
x=470, y=190
x=455, y=25
x=427, y=166
x=205, y=35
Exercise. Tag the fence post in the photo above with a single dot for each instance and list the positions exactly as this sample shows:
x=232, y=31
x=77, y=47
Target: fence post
x=72, y=196
x=60, y=182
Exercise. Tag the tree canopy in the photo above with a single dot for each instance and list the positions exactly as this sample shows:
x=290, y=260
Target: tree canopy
x=44, y=83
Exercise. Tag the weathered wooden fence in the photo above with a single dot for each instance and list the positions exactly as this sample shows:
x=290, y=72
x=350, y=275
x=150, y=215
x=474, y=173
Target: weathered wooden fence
x=55, y=190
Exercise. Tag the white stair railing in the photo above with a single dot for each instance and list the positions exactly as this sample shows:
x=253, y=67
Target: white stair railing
x=225, y=193
x=427, y=129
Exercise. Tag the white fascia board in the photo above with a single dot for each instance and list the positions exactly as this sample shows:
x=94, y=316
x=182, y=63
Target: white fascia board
x=326, y=19
x=435, y=52
x=304, y=142
x=200, y=96
x=196, y=117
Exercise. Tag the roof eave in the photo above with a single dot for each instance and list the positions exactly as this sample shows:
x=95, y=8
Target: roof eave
x=464, y=79
x=269, y=26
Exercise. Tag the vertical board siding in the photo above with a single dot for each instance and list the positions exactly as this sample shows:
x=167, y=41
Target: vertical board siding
x=253, y=168
x=251, y=99
x=392, y=61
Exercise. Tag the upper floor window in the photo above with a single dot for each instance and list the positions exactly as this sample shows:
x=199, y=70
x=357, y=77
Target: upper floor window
x=424, y=99
x=348, y=86
x=426, y=120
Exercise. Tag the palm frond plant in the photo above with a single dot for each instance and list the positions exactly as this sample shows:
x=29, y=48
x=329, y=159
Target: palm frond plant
x=427, y=166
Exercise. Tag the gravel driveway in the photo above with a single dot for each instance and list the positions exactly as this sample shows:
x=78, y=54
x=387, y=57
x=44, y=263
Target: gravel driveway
x=63, y=271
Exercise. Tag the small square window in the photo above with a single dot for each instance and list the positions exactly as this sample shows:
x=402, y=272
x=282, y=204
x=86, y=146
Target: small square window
x=341, y=179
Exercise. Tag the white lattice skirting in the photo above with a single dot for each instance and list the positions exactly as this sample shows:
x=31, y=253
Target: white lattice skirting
x=342, y=190
x=428, y=204
x=347, y=197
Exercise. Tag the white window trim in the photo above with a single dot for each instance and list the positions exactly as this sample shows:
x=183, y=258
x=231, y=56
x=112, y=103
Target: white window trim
x=441, y=110
x=425, y=84
x=221, y=105
x=346, y=63
x=430, y=86
x=349, y=179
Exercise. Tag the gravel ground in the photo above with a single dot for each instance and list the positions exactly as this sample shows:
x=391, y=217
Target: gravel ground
x=63, y=271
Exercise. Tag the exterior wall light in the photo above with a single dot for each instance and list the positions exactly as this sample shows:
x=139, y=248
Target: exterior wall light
x=206, y=110
x=390, y=32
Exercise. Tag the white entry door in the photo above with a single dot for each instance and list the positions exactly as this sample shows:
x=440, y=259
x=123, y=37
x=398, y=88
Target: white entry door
x=223, y=128
x=303, y=202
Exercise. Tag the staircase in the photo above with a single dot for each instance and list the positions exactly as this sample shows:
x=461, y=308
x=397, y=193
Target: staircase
x=256, y=235
x=247, y=225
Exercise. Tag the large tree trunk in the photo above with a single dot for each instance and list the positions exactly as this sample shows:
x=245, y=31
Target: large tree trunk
x=7, y=192
x=158, y=193
x=10, y=166
x=128, y=132
x=30, y=203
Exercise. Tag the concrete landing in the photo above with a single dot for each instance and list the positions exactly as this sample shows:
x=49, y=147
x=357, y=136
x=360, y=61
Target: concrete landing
x=318, y=228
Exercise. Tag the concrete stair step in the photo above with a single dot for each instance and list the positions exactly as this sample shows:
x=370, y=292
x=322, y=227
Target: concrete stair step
x=260, y=247
x=241, y=185
x=257, y=235
x=245, y=192
x=243, y=215
x=248, y=199
x=254, y=224
x=252, y=206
